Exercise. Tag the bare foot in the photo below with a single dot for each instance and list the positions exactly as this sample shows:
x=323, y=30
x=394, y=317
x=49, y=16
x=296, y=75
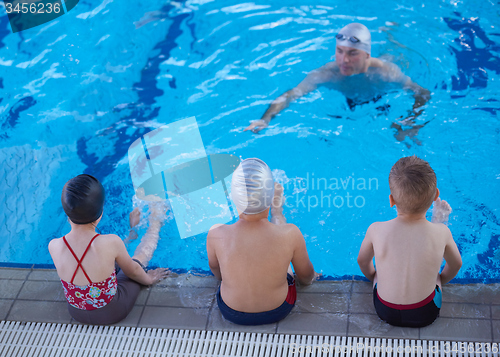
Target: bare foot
x=134, y=217
x=157, y=211
x=441, y=211
x=277, y=204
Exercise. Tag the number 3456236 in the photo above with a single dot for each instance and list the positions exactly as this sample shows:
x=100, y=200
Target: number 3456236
x=40, y=8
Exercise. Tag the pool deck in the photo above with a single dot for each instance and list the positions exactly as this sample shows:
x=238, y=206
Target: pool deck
x=339, y=308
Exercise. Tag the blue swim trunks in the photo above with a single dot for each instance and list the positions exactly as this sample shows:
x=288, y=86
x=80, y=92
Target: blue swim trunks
x=260, y=318
x=419, y=314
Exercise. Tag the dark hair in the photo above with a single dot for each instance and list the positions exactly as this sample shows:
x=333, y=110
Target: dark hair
x=82, y=199
x=413, y=184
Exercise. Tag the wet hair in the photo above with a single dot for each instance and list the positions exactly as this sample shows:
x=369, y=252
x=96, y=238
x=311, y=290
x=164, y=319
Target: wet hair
x=413, y=184
x=82, y=199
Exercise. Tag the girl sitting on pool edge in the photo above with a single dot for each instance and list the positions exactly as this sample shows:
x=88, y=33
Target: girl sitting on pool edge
x=85, y=260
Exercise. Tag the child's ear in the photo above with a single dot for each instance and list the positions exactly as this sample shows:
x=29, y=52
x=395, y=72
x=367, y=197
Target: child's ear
x=391, y=200
x=437, y=194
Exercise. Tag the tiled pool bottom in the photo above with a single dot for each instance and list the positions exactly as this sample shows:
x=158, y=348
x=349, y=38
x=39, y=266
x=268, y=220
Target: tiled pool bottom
x=469, y=312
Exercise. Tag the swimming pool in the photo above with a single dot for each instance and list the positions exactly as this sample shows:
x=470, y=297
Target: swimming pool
x=79, y=90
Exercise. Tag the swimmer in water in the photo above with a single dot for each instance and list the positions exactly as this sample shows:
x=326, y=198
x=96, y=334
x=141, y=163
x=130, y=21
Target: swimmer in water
x=355, y=74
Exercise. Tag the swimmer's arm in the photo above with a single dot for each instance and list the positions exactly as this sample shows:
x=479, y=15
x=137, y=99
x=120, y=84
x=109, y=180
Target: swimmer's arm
x=213, y=262
x=420, y=94
x=452, y=258
x=393, y=73
x=310, y=83
x=366, y=254
x=302, y=265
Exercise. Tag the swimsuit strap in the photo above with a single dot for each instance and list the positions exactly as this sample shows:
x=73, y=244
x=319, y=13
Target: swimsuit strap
x=79, y=261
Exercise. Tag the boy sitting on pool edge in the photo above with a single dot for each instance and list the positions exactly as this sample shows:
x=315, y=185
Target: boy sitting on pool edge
x=408, y=250
x=252, y=256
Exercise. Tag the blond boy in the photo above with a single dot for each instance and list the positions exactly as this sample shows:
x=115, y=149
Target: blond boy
x=252, y=257
x=408, y=249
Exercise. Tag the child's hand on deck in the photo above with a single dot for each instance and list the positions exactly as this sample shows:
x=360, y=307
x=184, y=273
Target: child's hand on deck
x=158, y=274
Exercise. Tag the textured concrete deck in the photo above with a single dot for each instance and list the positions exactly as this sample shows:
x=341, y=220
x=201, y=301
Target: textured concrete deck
x=469, y=312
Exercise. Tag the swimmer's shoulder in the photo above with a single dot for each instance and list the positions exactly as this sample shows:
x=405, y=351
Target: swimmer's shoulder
x=376, y=63
x=328, y=69
x=388, y=71
x=383, y=67
x=331, y=66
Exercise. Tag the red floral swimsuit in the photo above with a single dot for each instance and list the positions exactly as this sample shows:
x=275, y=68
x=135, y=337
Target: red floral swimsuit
x=92, y=296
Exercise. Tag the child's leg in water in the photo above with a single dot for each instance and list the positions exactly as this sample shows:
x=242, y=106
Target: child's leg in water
x=277, y=205
x=145, y=249
x=134, y=219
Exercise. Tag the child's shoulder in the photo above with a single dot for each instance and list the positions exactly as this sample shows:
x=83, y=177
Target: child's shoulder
x=377, y=229
x=55, y=240
x=107, y=238
x=381, y=225
x=54, y=244
x=218, y=230
x=110, y=242
x=288, y=231
x=290, y=227
x=441, y=229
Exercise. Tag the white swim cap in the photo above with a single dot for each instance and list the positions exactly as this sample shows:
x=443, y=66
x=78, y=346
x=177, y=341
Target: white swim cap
x=252, y=186
x=355, y=35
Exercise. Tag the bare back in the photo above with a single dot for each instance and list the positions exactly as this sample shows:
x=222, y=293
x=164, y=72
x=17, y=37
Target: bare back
x=98, y=263
x=253, y=258
x=408, y=256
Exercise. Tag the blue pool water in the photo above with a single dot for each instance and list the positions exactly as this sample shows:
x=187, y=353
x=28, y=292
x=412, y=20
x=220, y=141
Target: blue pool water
x=76, y=92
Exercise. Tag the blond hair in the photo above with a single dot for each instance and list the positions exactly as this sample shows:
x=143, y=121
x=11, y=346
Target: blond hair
x=413, y=184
